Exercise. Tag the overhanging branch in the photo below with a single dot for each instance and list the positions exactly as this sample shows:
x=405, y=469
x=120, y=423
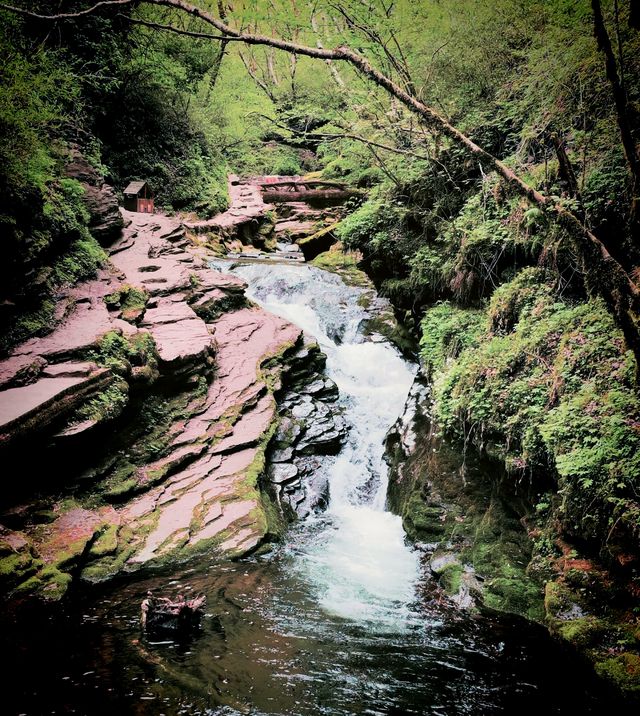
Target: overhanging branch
x=616, y=285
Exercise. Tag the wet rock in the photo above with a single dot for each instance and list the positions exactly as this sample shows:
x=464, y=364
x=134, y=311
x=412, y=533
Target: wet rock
x=195, y=487
x=217, y=493
x=288, y=432
x=304, y=410
x=441, y=561
x=310, y=425
x=316, y=387
x=282, y=472
x=282, y=455
x=246, y=220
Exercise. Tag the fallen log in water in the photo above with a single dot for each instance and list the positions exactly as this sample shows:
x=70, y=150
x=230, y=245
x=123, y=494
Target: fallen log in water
x=173, y=614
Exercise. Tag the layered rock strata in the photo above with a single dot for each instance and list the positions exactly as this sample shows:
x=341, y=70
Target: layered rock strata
x=252, y=227
x=247, y=222
x=100, y=199
x=311, y=424
x=147, y=412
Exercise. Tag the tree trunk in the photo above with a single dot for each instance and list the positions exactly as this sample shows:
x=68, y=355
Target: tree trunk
x=622, y=116
x=567, y=175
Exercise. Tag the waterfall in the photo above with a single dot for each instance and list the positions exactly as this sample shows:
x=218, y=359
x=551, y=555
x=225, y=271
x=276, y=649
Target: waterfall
x=357, y=560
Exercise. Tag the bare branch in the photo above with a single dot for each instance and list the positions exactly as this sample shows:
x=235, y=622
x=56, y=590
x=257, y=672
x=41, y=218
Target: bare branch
x=615, y=284
x=66, y=15
x=180, y=31
x=322, y=136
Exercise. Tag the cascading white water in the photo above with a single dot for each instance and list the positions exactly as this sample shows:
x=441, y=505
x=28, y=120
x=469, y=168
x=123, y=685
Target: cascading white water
x=357, y=560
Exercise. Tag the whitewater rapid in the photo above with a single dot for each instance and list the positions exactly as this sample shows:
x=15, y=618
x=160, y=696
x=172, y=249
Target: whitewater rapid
x=357, y=560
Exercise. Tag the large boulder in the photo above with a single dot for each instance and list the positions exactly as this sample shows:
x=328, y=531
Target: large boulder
x=101, y=200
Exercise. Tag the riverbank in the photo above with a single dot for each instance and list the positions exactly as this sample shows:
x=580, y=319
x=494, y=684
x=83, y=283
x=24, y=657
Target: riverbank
x=141, y=420
x=338, y=616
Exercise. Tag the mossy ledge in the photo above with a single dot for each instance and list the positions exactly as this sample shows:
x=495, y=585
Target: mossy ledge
x=539, y=389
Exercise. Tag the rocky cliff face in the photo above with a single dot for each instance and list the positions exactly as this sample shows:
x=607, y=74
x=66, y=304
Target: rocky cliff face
x=310, y=425
x=488, y=548
x=142, y=421
x=100, y=198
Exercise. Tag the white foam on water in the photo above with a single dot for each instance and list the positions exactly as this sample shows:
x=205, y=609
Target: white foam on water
x=359, y=563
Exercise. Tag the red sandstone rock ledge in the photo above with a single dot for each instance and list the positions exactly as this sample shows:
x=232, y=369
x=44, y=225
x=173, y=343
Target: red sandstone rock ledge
x=156, y=322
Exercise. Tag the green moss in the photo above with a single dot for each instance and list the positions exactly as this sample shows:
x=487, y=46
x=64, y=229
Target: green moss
x=451, y=578
x=54, y=583
x=255, y=471
x=32, y=323
x=109, y=565
x=50, y=583
x=447, y=331
x=120, y=490
x=557, y=599
x=581, y=632
x=275, y=522
x=623, y=670
x=552, y=387
x=131, y=301
x=211, y=311
x=118, y=353
x=68, y=558
x=515, y=299
x=105, y=543
x=107, y=405
x=421, y=520
x=516, y=593
x=345, y=264
x=80, y=263
x=16, y=567
x=387, y=326
x=29, y=586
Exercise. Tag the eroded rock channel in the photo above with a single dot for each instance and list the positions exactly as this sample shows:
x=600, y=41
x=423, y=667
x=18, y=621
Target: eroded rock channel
x=182, y=413
x=142, y=419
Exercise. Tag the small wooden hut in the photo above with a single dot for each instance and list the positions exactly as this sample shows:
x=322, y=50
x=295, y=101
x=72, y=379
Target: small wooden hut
x=138, y=197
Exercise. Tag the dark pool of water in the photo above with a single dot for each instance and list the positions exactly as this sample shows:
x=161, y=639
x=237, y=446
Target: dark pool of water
x=266, y=647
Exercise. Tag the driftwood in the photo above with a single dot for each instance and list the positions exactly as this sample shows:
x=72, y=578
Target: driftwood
x=174, y=614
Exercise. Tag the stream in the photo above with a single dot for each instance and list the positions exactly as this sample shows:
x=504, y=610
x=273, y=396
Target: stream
x=339, y=619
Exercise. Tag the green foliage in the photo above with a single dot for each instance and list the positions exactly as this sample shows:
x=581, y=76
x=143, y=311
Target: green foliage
x=551, y=387
x=517, y=298
x=343, y=263
x=446, y=331
x=107, y=405
x=286, y=165
x=606, y=192
x=80, y=263
x=130, y=300
x=27, y=324
x=37, y=209
x=118, y=353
